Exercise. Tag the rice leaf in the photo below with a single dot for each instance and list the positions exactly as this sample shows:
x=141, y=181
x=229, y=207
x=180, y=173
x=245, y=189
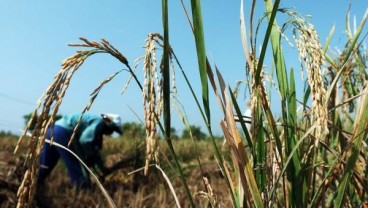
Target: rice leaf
x=166, y=96
x=244, y=35
x=298, y=192
x=360, y=133
x=329, y=37
x=242, y=160
x=201, y=53
x=242, y=122
x=265, y=40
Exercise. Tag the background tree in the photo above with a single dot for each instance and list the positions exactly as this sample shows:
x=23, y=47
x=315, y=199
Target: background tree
x=196, y=133
x=174, y=133
x=132, y=129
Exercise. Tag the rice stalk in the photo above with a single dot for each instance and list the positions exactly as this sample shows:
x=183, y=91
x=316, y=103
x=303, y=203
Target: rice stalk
x=136, y=61
x=311, y=54
x=152, y=96
x=49, y=104
x=149, y=100
x=153, y=87
x=167, y=59
x=286, y=86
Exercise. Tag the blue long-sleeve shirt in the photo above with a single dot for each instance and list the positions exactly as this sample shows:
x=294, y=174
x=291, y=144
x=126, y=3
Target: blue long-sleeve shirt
x=89, y=134
x=89, y=127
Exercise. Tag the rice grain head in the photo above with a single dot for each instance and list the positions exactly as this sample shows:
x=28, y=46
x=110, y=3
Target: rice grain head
x=208, y=195
x=311, y=54
x=149, y=99
x=152, y=93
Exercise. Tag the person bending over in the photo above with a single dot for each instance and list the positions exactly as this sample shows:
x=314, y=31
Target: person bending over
x=87, y=144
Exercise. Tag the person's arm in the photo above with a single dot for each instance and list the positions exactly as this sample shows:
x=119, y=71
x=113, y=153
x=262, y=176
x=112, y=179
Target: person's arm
x=90, y=142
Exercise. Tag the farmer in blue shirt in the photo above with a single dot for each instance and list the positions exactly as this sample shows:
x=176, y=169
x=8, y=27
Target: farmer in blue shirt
x=87, y=144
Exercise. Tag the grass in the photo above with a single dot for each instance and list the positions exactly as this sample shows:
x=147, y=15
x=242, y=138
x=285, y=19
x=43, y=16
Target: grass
x=313, y=155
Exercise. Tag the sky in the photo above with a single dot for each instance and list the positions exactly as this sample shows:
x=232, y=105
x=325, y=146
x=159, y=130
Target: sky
x=35, y=37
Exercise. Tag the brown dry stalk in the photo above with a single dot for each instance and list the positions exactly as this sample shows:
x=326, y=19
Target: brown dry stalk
x=239, y=157
x=235, y=143
x=311, y=53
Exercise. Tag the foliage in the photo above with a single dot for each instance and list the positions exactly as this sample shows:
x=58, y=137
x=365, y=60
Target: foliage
x=195, y=132
x=7, y=134
x=132, y=130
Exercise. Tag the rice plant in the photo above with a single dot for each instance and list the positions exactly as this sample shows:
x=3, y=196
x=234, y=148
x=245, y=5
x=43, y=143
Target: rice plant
x=311, y=156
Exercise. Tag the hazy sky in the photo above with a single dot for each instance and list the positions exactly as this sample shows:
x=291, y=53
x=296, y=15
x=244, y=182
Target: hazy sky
x=34, y=37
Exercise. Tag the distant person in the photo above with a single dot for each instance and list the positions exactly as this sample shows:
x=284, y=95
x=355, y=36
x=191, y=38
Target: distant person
x=87, y=144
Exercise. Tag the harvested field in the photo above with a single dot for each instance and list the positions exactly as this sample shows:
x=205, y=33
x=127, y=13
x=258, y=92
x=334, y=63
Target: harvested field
x=127, y=190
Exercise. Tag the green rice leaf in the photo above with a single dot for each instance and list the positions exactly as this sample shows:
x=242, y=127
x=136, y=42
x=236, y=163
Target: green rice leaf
x=265, y=41
x=201, y=53
x=298, y=191
x=329, y=37
x=166, y=96
x=355, y=38
x=360, y=133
